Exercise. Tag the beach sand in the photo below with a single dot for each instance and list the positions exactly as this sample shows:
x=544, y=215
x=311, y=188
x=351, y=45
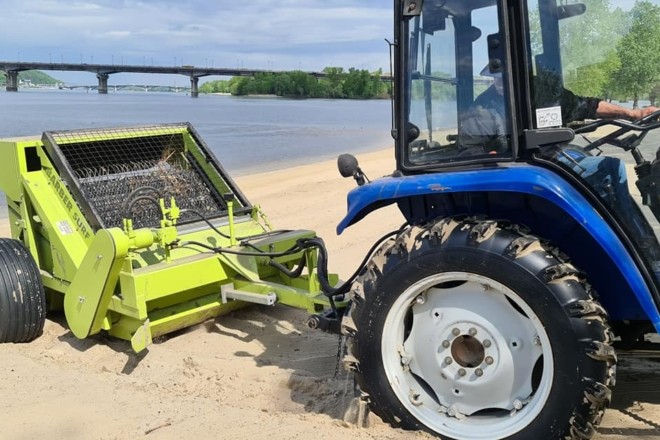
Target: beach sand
x=258, y=373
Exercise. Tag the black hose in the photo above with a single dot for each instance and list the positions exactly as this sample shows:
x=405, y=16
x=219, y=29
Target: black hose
x=144, y=189
x=217, y=231
x=345, y=287
x=128, y=205
x=131, y=204
x=291, y=274
x=301, y=245
x=292, y=250
x=207, y=221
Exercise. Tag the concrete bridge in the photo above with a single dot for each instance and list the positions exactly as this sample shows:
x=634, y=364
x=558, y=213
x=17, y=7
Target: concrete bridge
x=103, y=71
x=127, y=87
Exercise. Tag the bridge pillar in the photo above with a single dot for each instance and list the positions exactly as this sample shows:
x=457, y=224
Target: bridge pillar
x=103, y=83
x=194, y=86
x=12, y=80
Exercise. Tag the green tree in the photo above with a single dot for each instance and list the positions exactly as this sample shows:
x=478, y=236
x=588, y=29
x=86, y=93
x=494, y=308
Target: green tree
x=301, y=85
x=334, y=82
x=654, y=94
x=587, y=39
x=595, y=79
x=588, y=46
x=240, y=86
x=639, y=52
x=219, y=86
x=359, y=84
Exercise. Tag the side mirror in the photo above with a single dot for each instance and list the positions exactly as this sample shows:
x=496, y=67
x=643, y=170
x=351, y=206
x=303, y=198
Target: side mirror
x=572, y=10
x=348, y=167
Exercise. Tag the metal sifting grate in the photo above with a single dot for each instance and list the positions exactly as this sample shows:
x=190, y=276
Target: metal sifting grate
x=115, y=166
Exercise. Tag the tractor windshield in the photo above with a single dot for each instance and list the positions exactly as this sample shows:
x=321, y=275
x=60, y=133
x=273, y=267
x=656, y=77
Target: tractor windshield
x=457, y=107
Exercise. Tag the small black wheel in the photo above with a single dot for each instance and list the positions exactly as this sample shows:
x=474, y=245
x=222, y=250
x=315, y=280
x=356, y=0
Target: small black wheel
x=475, y=329
x=22, y=297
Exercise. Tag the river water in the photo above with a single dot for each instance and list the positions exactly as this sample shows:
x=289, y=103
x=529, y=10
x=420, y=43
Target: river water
x=247, y=134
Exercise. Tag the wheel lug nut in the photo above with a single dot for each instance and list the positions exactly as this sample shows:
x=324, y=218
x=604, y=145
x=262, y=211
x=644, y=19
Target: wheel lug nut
x=446, y=344
x=486, y=343
x=448, y=360
x=420, y=300
x=472, y=331
x=456, y=332
x=462, y=372
x=479, y=372
x=489, y=360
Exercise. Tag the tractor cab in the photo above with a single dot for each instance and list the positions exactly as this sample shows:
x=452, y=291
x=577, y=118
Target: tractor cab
x=483, y=81
x=480, y=79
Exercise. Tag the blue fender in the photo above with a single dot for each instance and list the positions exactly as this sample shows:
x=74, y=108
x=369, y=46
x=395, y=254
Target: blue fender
x=516, y=178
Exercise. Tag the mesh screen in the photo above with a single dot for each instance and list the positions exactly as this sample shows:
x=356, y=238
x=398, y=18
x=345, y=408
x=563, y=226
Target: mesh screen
x=114, y=167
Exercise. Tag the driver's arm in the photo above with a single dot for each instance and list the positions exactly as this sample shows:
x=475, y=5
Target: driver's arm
x=608, y=110
x=579, y=108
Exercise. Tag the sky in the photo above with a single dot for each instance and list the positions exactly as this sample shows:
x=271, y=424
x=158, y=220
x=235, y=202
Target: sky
x=259, y=34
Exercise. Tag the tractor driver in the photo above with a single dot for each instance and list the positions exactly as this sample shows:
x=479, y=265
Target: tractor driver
x=485, y=131
x=485, y=125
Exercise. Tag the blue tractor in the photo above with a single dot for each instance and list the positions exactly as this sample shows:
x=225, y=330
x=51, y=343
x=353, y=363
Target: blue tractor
x=527, y=259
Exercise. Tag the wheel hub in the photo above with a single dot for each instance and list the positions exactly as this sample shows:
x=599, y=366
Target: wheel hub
x=468, y=351
x=483, y=352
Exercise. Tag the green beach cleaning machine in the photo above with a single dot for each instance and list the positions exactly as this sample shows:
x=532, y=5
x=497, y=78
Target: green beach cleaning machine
x=140, y=232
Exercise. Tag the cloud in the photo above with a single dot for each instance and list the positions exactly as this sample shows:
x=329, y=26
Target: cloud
x=263, y=33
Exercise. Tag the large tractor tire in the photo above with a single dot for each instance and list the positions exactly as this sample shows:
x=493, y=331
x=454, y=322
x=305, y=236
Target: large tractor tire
x=477, y=330
x=22, y=298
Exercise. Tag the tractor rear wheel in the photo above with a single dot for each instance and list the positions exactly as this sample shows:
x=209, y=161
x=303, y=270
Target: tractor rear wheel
x=22, y=297
x=477, y=330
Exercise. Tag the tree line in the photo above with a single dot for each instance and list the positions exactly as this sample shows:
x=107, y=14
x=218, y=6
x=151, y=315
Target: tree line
x=337, y=84
x=613, y=54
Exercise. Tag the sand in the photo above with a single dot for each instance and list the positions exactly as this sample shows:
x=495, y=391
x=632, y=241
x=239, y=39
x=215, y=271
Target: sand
x=259, y=373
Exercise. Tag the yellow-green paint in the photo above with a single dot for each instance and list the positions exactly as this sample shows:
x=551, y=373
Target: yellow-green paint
x=87, y=298
x=140, y=284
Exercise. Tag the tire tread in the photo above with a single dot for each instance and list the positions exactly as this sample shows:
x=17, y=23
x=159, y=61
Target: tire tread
x=520, y=246
x=22, y=297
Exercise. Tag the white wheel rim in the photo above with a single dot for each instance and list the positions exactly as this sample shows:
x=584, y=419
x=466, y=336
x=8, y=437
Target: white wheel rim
x=461, y=357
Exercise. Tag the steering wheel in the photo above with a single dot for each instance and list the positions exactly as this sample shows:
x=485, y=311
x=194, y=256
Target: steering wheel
x=644, y=125
x=648, y=118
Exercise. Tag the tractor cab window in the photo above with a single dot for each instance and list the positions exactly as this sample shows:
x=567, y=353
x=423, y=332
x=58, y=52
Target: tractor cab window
x=457, y=106
x=573, y=56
